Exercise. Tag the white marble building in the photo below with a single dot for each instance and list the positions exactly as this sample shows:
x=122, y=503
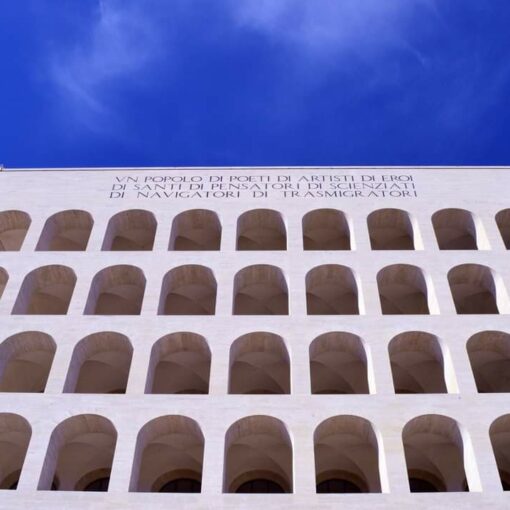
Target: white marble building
x=197, y=337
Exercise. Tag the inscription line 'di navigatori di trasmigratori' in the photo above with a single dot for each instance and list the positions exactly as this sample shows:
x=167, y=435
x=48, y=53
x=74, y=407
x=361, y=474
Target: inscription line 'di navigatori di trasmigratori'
x=263, y=186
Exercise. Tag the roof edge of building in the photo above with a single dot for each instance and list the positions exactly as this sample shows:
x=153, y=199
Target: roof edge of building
x=309, y=167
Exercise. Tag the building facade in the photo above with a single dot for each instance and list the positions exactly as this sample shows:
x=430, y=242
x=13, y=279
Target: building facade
x=255, y=337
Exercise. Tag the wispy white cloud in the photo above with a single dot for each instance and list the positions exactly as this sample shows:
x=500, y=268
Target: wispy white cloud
x=127, y=37
x=326, y=27
x=325, y=37
x=130, y=38
x=122, y=42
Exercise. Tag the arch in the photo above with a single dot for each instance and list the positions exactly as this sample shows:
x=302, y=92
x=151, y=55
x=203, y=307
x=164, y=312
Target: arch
x=259, y=364
x=168, y=449
x=257, y=449
x=116, y=290
x=403, y=290
x=326, y=229
x=15, y=434
x=179, y=363
x=500, y=439
x=473, y=289
x=338, y=364
x=434, y=452
x=188, y=290
x=66, y=231
x=25, y=362
x=46, y=290
x=455, y=229
x=331, y=289
x=417, y=363
x=489, y=355
x=132, y=230
x=260, y=290
x=503, y=223
x=195, y=230
x=100, y=364
x=4, y=278
x=261, y=229
x=13, y=229
x=80, y=451
x=391, y=229
x=346, y=455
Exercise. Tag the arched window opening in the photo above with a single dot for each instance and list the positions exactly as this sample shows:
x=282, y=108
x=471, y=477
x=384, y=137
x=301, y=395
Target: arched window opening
x=15, y=433
x=4, y=278
x=403, y=290
x=489, y=355
x=46, y=291
x=25, y=362
x=417, y=363
x=473, y=289
x=132, y=230
x=503, y=222
x=180, y=363
x=434, y=452
x=326, y=229
x=258, y=449
x=346, y=456
x=66, y=231
x=196, y=230
x=338, y=364
x=116, y=290
x=79, y=455
x=100, y=364
x=188, y=290
x=260, y=290
x=259, y=364
x=455, y=229
x=500, y=438
x=261, y=229
x=390, y=229
x=13, y=229
x=331, y=290
x=169, y=456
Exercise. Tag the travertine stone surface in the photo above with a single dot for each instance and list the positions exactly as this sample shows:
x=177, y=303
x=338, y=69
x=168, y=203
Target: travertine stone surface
x=371, y=425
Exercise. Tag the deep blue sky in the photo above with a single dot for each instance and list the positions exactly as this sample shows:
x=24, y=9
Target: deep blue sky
x=254, y=82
